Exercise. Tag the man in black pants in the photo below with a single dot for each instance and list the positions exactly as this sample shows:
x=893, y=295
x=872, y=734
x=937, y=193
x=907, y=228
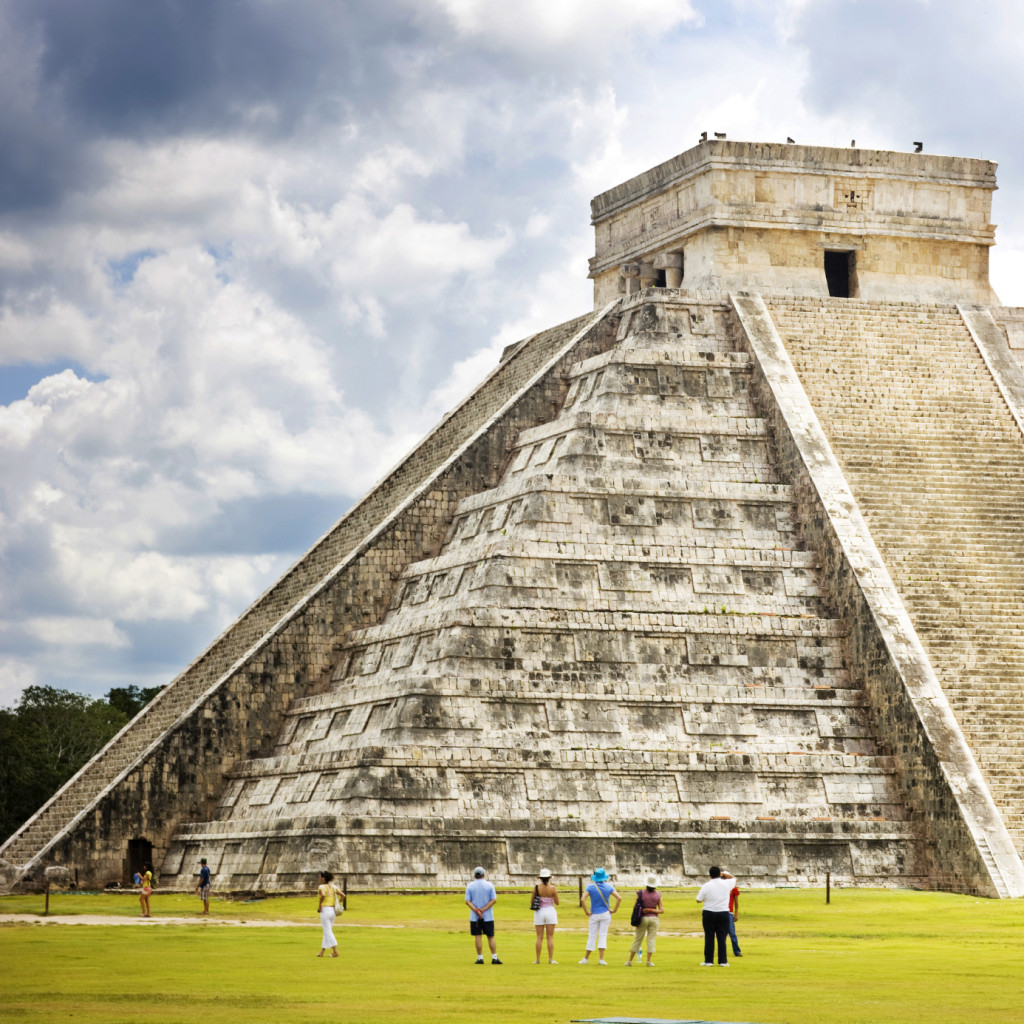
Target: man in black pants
x=714, y=894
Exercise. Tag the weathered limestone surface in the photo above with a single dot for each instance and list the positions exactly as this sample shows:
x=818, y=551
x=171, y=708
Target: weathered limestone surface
x=619, y=655
x=762, y=215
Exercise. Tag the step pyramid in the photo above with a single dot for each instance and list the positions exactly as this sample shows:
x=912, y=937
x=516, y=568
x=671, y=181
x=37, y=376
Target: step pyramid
x=726, y=570
x=618, y=656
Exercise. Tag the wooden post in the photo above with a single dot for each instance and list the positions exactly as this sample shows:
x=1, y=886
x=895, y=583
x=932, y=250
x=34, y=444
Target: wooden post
x=344, y=889
x=47, y=908
x=581, y=888
x=828, y=886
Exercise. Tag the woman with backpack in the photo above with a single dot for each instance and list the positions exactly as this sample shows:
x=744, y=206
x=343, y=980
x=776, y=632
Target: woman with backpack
x=330, y=906
x=649, y=905
x=599, y=893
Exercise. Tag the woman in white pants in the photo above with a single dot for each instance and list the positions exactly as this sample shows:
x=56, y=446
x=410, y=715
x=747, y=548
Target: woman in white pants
x=330, y=903
x=545, y=917
x=599, y=893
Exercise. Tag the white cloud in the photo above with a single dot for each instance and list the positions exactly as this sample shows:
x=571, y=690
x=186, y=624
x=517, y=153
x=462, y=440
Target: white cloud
x=15, y=675
x=532, y=24
x=76, y=632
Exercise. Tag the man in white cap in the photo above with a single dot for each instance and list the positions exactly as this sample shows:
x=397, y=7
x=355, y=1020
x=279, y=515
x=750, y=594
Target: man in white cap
x=480, y=898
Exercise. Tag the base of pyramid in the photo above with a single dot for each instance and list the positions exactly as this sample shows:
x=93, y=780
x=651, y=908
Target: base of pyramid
x=439, y=853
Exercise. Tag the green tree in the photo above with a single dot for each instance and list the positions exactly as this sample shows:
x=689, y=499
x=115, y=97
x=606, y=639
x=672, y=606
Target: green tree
x=44, y=740
x=130, y=700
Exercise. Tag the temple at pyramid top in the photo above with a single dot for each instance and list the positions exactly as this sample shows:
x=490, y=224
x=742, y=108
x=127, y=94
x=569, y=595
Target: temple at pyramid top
x=799, y=220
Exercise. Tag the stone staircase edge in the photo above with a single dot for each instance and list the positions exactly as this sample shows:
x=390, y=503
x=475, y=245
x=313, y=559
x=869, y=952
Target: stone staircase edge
x=1005, y=370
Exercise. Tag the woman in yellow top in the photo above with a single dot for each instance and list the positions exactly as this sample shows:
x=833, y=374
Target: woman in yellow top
x=329, y=908
x=147, y=888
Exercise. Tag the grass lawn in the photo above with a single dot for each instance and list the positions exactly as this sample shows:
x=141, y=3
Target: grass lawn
x=871, y=956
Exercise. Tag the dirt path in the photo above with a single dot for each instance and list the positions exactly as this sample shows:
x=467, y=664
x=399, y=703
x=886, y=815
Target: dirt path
x=147, y=922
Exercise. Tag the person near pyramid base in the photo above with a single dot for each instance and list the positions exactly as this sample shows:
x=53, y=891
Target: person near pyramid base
x=480, y=898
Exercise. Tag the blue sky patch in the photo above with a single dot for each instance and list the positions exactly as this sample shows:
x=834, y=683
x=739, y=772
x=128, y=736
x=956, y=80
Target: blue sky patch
x=124, y=270
x=15, y=381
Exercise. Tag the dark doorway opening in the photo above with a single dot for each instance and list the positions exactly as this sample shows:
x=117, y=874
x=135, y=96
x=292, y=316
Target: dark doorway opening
x=840, y=274
x=140, y=852
x=659, y=280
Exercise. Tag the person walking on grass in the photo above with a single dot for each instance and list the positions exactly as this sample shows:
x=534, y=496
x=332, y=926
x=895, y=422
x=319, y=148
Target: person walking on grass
x=651, y=908
x=203, y=888
x=480, y=898
x=545, y=917
x=599, y=893
x=329, y=908
x=714, y=894
x=734, y=916
x=147, y=889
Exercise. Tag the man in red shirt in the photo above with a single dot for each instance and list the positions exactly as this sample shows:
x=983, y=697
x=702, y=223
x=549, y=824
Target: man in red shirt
x=734, y=912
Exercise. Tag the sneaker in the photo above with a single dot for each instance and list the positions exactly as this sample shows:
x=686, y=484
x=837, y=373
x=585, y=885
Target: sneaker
x=706, y=964
x=628, y=963
x=536, y=961
x=602, y=963
x=555, y=962
x=649, y=964
x=495, y=960
x=584, y=961
x=737, y=953
x=723, y=965
x=479, y=959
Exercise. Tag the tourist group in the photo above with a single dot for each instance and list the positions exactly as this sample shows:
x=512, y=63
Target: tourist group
x=600, y=900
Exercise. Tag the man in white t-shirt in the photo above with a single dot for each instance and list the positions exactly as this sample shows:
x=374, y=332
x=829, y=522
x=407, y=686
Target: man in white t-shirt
x=714, y=894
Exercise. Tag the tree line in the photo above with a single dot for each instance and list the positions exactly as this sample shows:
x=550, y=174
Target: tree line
x=48, y=735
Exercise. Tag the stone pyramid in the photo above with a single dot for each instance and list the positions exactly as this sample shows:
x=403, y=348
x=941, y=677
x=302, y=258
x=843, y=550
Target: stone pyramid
x=619, y=655
x=622, y=606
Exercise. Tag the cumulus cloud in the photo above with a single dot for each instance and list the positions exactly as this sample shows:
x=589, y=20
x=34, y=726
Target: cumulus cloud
x=250, y=252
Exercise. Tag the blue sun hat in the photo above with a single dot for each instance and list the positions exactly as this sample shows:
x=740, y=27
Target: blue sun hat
x=600, y=875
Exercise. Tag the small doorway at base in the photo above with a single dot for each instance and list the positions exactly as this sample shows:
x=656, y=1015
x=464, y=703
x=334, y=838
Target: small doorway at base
x=140, y=852
x=841, y=274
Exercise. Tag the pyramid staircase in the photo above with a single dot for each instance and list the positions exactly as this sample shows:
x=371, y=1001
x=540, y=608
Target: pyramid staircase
x=936, y=463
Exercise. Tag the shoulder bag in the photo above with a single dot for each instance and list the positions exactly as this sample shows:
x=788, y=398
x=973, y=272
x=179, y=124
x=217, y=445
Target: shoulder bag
x=638, y=909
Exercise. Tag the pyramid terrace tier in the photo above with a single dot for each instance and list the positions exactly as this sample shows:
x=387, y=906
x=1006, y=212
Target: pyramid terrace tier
x=403, y=851
x=737, y=581
x=682, y=450
x=610, y=509
x=600, y=784
x=407, y=851
x=679, y=381
x=755, y=722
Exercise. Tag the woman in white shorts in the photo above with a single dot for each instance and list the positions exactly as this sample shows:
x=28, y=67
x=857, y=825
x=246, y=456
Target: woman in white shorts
x=546, y=917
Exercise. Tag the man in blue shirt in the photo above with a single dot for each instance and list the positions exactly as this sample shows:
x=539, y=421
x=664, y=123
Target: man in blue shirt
x=480, y=898
x=203, y=888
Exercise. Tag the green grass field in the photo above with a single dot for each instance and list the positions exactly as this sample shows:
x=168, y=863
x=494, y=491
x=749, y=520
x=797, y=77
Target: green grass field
x=870, y=956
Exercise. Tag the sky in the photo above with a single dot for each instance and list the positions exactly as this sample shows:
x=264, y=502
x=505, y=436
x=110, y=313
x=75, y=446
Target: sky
x=252, y=250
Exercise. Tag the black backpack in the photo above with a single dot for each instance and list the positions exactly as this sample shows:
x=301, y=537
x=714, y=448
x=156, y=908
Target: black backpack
x=638, y=909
